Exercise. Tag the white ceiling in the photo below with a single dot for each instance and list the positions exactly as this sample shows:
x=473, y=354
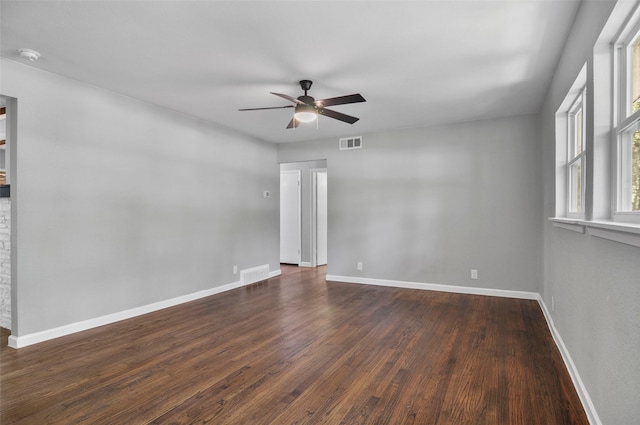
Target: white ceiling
x=417, y=63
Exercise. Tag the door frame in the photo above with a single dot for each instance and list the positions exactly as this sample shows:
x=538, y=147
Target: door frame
x=314, y=213
x=299, y=175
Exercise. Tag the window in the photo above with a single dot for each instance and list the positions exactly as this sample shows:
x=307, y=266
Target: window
x=629, y=169
x=597, y=167
x=576, y=157
x=571, y=150
x=627, y=127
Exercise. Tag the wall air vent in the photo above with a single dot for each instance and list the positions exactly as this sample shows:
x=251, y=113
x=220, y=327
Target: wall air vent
x=254, y=274
x=350, y=143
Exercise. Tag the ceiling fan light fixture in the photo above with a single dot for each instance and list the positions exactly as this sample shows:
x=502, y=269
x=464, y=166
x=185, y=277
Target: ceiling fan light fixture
x=305, y=113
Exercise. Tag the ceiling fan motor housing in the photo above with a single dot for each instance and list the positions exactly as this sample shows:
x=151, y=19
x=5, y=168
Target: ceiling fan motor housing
x=306, y=99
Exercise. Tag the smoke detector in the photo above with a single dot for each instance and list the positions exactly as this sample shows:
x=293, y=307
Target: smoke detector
x=29, y=54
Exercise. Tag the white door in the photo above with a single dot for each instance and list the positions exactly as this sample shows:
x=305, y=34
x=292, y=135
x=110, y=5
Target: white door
x=322, y=218
x=290, y=238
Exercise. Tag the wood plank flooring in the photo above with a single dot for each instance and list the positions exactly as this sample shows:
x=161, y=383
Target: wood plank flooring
x=299, y=350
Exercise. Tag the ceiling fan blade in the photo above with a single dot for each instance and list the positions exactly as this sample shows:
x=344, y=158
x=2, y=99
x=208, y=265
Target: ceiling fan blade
x=337, y=115
x=270, y=107
x=289, y=98
x=341, y=100
x=294, y=123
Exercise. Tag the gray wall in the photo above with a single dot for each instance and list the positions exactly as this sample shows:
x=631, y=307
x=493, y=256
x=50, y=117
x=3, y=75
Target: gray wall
x=123, y=204
x=595, y=283
x=306, y=201
x=429, y=204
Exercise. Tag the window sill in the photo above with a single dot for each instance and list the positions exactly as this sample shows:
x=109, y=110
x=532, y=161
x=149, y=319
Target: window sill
x=573, y=224
x=626, y=233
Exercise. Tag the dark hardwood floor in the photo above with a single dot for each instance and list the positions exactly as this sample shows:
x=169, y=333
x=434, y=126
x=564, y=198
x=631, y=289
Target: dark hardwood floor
x=4, y=337
x=299, y=350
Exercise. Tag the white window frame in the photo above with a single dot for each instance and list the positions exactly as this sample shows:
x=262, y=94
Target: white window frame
x=564, y=139
x=625, y=121
x=610, y=114
x=576, y=159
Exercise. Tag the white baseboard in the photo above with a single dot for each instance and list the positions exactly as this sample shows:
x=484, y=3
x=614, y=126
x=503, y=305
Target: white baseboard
x=36, y=337
x=275, y=273
x=305, y=264
x=437, y=287
x=587, y=404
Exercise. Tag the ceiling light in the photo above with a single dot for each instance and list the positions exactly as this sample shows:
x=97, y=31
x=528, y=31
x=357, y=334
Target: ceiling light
x=29, y=54
x=305, y=113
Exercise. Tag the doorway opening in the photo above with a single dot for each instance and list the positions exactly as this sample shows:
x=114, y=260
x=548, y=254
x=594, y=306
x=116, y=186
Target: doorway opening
x=8, y=292
x=304, y=213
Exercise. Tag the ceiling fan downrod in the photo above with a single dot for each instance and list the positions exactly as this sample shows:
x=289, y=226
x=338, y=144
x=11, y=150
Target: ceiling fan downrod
x=305, y=85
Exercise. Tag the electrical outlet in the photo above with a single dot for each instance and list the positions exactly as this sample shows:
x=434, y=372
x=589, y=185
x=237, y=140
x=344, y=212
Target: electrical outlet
x=235, y=269
x=359, y=265
x=474, y=274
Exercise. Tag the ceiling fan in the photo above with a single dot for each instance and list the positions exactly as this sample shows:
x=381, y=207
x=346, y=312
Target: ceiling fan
x=307, y=108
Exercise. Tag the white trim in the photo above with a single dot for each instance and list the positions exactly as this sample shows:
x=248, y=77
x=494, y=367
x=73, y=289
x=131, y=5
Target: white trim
x=627, y=217
x=583, y=394
x=568, y=224
x=314, y=214
x=275, y=273
x=617, y=226
x=36, y=337
x=313, y=245
x=626, y=233
x=627, y=238
x=506, y=293
x=305, y=264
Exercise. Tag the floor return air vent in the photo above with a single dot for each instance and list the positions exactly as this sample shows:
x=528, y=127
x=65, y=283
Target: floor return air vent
x=254, y=274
